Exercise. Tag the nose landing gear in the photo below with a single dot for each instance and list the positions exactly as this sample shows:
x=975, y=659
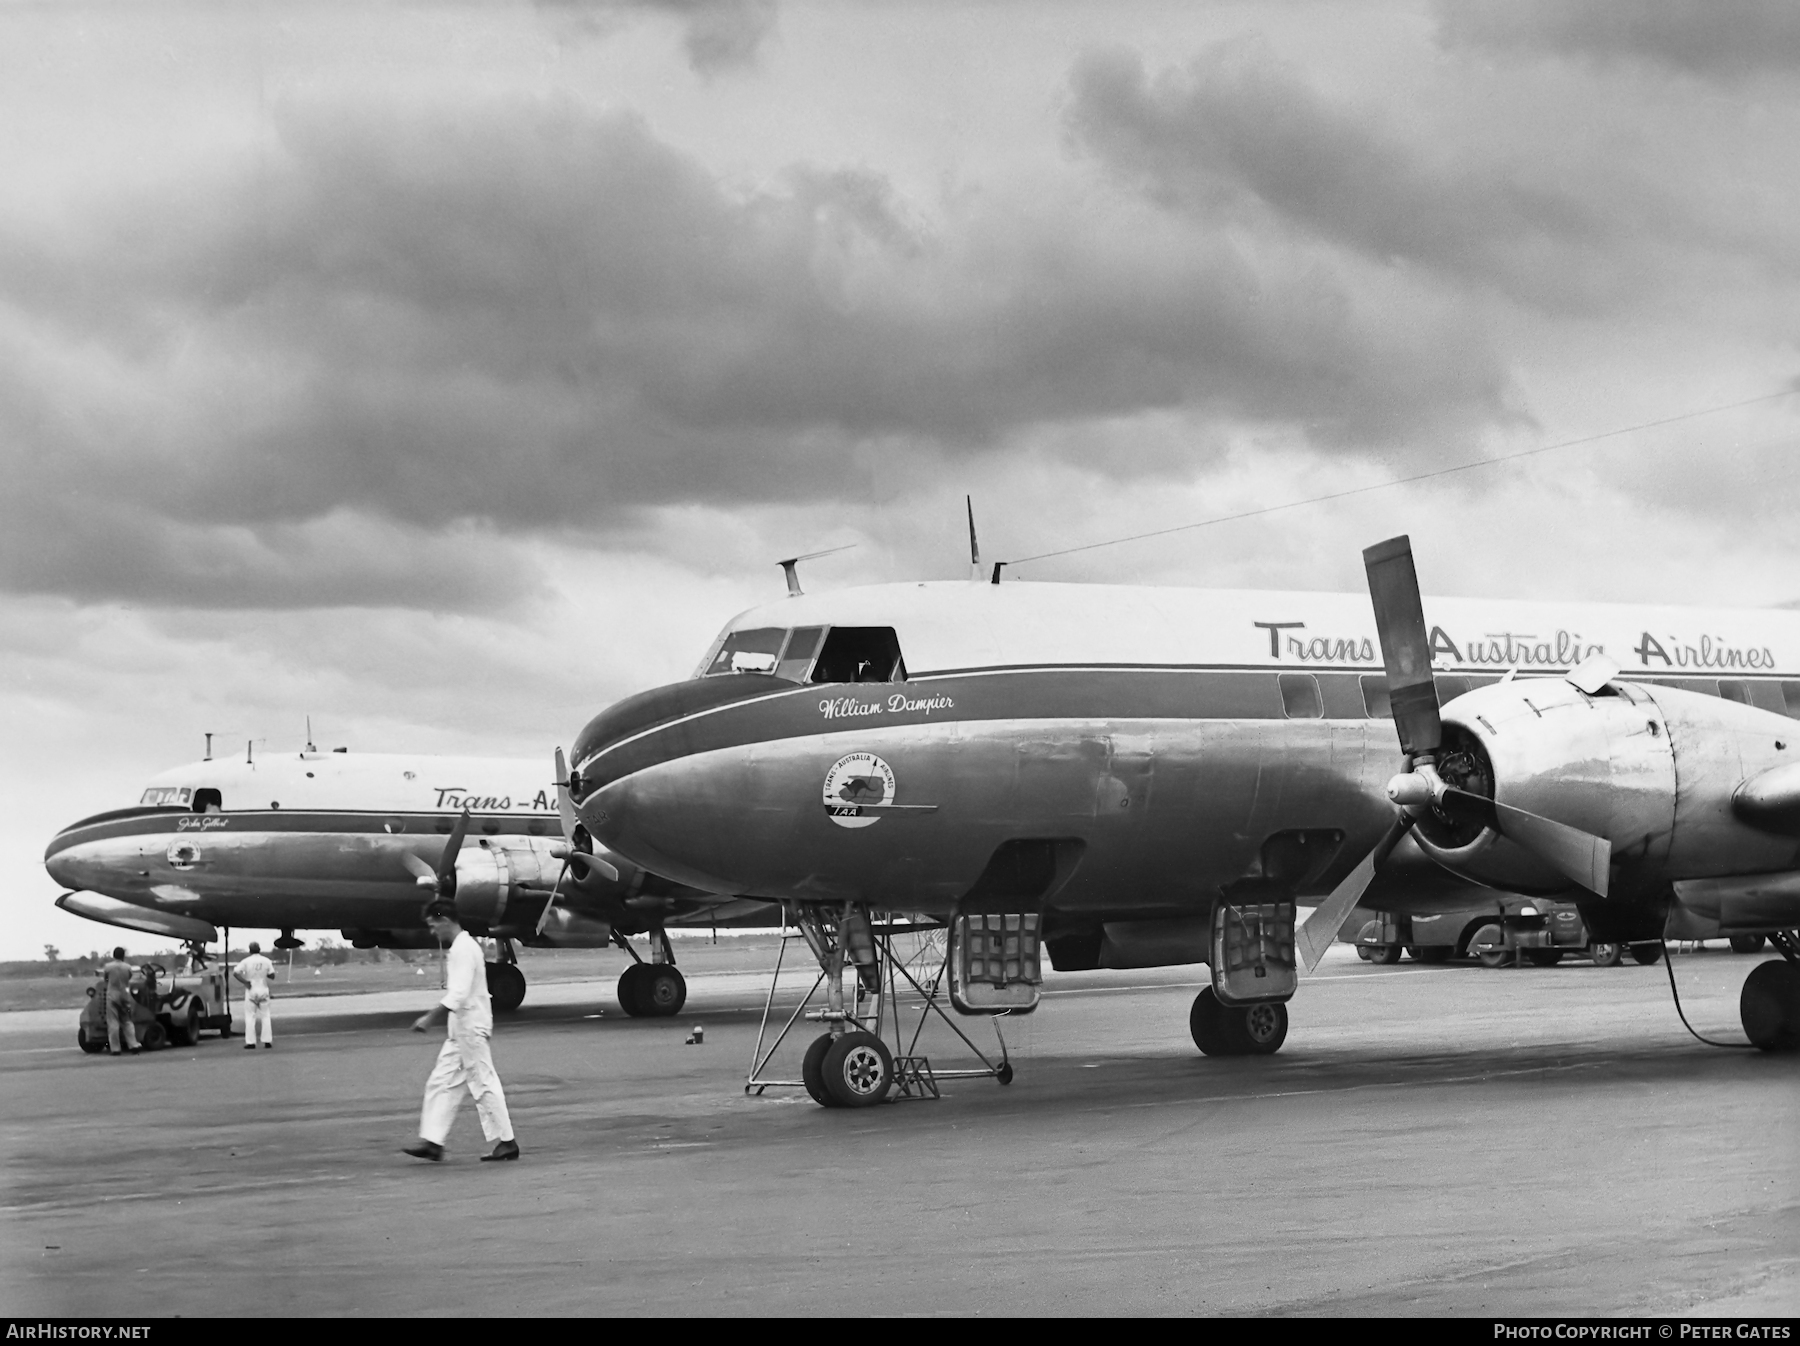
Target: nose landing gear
x=505, y=980
x=1769, y=1004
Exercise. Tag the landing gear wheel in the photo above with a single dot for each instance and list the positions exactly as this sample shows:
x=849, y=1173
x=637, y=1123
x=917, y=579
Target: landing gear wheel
x=858, y=1070
x=663, y=990
x=1256, y=1030
x=630, y=981
x=1543, y=957
x=1206, y=1023
x=1770, y=1007
x=1385, y=953
x=1004, y=1072
x=1488, y=944
x=1646, y=954
x=1606, y=955
x=1746, y=943
x=506, y=987
x=87, y=1044
x=1433, y=953
x=812, y=1070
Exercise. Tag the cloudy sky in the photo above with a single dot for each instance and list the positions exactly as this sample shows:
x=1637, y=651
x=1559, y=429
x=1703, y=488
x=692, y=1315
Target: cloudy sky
x=445, y=372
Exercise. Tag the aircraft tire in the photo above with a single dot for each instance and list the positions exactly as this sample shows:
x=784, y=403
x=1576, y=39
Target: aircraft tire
x=506, y=987
x=858, y=1070
x=663, y=991
x=812, y=1070
x=1747, y=943
x=1646, y=954
x=629, y=981
x=1256, y=1030
x=1769, y=1006
x=1206, y=1024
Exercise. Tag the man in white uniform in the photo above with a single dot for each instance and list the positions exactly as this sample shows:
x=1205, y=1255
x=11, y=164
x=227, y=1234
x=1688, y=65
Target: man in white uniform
x=465, y=1060
x=256, y=972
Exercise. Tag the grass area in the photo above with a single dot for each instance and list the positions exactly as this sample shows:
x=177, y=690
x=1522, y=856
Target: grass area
x=43, y=985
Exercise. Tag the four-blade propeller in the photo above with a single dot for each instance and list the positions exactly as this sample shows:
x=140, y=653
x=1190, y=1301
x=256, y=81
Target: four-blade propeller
x=1412, y=696
x=569, y=853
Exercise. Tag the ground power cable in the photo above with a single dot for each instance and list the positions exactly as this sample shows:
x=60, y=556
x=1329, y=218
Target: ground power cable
x=1420, y=476
x=1668, y=962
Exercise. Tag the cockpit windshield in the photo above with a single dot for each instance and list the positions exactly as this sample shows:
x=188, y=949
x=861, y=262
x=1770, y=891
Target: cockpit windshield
x=167, y=797
x=811, y=654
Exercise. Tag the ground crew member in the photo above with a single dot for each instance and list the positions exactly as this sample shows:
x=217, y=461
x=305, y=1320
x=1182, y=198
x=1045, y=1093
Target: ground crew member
x=465, y=1060
x=119, y=1006
x=255, y=973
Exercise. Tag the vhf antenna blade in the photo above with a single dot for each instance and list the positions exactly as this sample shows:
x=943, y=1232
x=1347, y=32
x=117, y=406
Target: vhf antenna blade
x=974, y=542
x=789, y=567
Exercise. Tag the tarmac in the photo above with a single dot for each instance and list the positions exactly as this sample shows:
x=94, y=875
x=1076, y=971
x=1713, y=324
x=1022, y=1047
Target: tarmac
x=1431, y=1140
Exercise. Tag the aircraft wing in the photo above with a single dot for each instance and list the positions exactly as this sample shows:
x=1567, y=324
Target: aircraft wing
x=111, y=911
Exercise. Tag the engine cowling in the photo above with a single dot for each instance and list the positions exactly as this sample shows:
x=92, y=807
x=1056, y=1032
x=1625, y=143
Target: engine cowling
x=1651, y=769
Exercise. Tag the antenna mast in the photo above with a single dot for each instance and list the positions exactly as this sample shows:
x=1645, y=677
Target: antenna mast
x=974, y=543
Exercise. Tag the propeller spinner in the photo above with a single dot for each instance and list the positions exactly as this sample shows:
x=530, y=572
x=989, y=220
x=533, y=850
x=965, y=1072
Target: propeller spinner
x=1412, y=694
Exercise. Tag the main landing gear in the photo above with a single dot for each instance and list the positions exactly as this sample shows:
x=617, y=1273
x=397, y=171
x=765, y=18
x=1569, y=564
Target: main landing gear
x=653, y=990
x=1237, y=1030
x=852, y=1065
x=505, y=979
x=1769, y=1004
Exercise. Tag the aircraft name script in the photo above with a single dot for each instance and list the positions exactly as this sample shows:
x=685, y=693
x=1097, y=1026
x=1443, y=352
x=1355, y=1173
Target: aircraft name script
x=848, y=707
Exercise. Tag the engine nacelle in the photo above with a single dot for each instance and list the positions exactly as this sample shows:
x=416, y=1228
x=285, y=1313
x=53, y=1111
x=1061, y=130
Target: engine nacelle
x=490, y=872
x=1652, y=769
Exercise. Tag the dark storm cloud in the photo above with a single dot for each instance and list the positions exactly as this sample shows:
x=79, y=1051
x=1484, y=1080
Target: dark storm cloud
x=1237, y=135
x=525, y=315
x=1713, y=38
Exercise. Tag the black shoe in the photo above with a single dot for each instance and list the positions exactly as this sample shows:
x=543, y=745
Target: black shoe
x=506, y=1149
x=426, y=1149
x=269, y=1046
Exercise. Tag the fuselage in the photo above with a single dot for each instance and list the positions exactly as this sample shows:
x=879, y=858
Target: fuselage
x=308, y=840
x=882, y=744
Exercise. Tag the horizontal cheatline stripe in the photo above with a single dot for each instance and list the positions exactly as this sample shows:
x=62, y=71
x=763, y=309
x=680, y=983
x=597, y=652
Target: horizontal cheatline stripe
x=1085, y=692
x=167, y=822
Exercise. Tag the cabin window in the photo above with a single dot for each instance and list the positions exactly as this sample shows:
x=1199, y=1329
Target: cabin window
x=797, y=659
x=1790, y=697
x=1735, y=689
x=208, y=801
x=749, y=651
x=1375, y=697
x=1300, y=696
x=860, y=654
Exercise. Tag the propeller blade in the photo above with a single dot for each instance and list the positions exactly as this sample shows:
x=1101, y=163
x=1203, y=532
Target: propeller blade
x=1405, y=645
x=446, y=870
x=1582, y=856
x=1322, y=927
x=422, y=871
x=594, y=865
x=565, y=801
x=544, y=915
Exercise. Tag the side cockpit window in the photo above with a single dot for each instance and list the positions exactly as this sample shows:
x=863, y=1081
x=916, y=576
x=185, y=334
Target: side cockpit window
x=860, y=654
x=167, y=797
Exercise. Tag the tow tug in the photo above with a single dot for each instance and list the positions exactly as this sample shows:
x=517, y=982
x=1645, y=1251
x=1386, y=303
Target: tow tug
x=166, y=1010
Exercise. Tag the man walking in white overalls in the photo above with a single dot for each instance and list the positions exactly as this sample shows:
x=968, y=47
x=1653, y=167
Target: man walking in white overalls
x=255, y=972
x=464, y=1061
